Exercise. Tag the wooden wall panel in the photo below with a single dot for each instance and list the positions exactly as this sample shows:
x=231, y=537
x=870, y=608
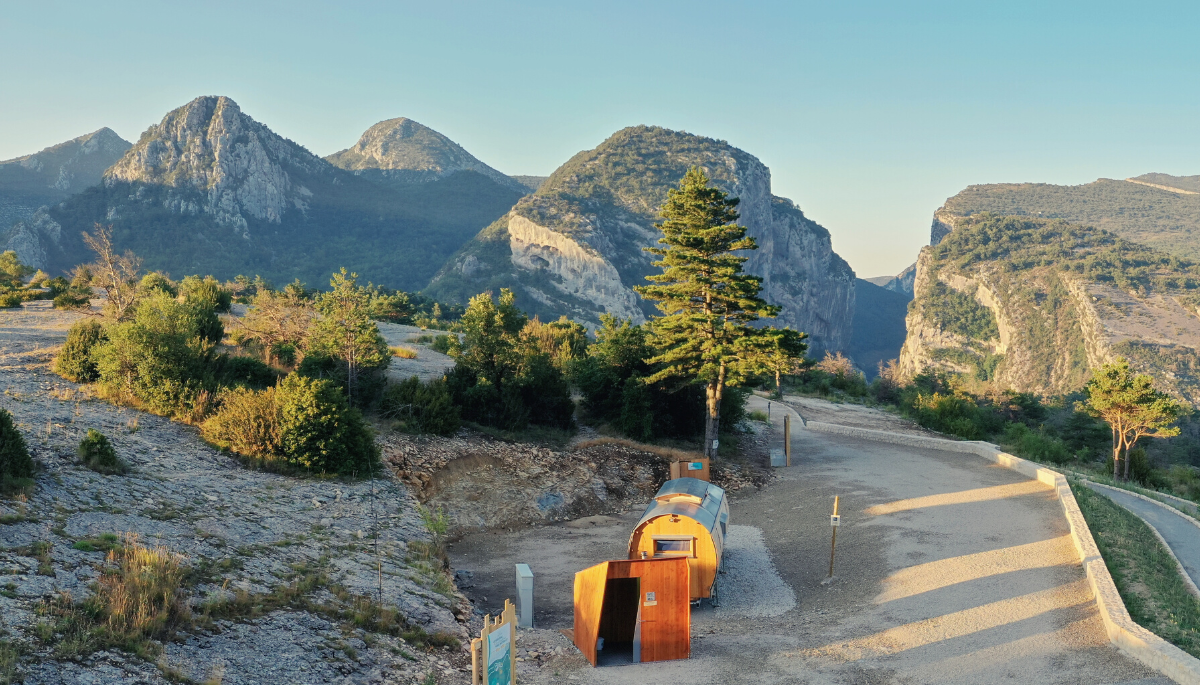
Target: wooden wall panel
x=589, y=600
x=667, y=623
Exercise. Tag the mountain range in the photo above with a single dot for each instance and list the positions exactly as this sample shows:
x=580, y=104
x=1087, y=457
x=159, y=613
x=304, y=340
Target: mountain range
x=211, y=190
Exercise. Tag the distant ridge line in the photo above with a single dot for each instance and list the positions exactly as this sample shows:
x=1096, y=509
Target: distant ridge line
x=1181, y=191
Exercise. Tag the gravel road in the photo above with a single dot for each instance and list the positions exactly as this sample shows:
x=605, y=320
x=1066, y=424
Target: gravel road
x=949, y=570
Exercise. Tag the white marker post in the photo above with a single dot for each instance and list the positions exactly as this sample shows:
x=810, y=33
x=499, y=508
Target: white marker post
x=525, y=595
x=834, y=522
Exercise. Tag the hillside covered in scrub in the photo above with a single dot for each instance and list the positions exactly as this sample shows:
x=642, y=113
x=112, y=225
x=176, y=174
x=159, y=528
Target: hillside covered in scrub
x=1157, y=210
x=574, y=247
x=1034, y=304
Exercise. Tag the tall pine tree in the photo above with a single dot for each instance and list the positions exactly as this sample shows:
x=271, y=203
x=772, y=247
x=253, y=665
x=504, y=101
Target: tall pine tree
x=706, y=299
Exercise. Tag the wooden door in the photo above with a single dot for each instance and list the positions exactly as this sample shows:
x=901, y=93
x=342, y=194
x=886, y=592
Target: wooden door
x=664, y=605
x=589, y=601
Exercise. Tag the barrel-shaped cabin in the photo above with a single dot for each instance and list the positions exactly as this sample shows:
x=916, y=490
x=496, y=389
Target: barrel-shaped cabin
x=687, y=518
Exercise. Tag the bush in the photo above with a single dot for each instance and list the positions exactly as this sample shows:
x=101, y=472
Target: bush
x=1036, y=445
x=320, y=431
x=15, y=462
x=441, y=343
x=70, y=300
x=163, y=358
x=248, y=424
x=74, y=361
x=421, y=407
x=206, y=290
x=97, y=453
x=302, y=422
x=244, y=372
x=11, y=299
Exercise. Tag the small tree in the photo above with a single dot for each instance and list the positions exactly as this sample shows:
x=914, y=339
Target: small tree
x=491, y=338
x=706, y=299
x=116, y=274
x=1131, y=407
x=276, y=318
x=346, y=332
x=12, y=271
x=782, y=350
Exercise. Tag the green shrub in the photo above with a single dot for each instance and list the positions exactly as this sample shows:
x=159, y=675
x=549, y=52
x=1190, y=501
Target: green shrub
x=15, y=463
x=302, y=422
x=244, y=372
x=284, y=353
x=156, y=281
x=163, y=358
x=97, y=453
x=71, y=300
x=421, y=407
x=319, y=431
x=206, y=290
x=74, y=361
x=441, y=343
x=11, y=299
x=1036, y=445
x=247, y=423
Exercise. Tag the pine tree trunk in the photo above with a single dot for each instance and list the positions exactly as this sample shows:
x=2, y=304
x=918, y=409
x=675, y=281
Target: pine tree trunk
x=712, y=419
x=1127, y=469
x=778, y=385
x=1116, y=456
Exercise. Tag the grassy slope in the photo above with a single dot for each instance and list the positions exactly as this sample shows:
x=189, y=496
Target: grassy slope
x=1144, y=572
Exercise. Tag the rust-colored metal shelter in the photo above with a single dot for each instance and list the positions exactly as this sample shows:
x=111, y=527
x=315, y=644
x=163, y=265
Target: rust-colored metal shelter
x=686, y=519
x=639, y=607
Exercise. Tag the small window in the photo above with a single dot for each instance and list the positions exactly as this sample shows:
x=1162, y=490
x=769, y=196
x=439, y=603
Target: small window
x=673, y=547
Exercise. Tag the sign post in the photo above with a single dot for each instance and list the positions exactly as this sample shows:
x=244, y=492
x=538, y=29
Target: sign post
x=787, y=439
x=493, y=653
x=834, y=522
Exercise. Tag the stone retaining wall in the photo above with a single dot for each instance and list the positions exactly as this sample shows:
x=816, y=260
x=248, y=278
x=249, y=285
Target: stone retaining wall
x=1131, y=638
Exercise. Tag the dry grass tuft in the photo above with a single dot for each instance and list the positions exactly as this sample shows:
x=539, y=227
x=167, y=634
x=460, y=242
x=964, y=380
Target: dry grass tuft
x=403, y=352
x=138, y=600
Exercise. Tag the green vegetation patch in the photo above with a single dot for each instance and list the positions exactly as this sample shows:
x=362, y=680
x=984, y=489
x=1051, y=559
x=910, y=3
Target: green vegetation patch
x=958, y=313
x=1145, y=574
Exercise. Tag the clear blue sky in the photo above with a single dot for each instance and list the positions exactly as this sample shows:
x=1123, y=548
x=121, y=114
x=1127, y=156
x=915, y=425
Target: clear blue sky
x=869, y=114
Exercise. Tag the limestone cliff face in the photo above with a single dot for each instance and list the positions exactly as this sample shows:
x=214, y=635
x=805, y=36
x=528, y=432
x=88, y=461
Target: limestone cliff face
x=1042, y=325
x=219, y=161
x=46, y=178
x=403, y=151
x=575, y=246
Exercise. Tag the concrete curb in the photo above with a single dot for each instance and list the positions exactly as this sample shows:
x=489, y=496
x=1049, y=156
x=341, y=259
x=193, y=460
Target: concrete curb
x=1178, y=564
x=1128, y=636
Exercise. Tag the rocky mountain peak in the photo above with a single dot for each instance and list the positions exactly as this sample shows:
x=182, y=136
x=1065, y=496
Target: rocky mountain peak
x=73, y=165
x=403, y=151
x=220, y=161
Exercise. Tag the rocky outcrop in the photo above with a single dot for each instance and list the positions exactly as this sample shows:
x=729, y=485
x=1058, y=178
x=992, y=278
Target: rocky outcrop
x=216, y=160
x=32, y=238
x=402, y=151
x=54, y=174
x=575, y=247
x=1051, y=322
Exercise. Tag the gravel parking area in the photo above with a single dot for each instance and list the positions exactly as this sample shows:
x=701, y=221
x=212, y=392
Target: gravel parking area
x=949, y=570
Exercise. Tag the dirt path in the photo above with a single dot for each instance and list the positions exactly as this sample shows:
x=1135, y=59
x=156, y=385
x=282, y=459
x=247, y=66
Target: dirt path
x=949, y=570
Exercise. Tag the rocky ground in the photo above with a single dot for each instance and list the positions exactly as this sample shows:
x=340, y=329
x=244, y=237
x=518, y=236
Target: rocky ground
x=237, y=529
x=481, y=482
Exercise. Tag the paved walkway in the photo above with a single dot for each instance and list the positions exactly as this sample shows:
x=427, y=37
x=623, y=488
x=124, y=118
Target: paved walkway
x=1182, y=536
